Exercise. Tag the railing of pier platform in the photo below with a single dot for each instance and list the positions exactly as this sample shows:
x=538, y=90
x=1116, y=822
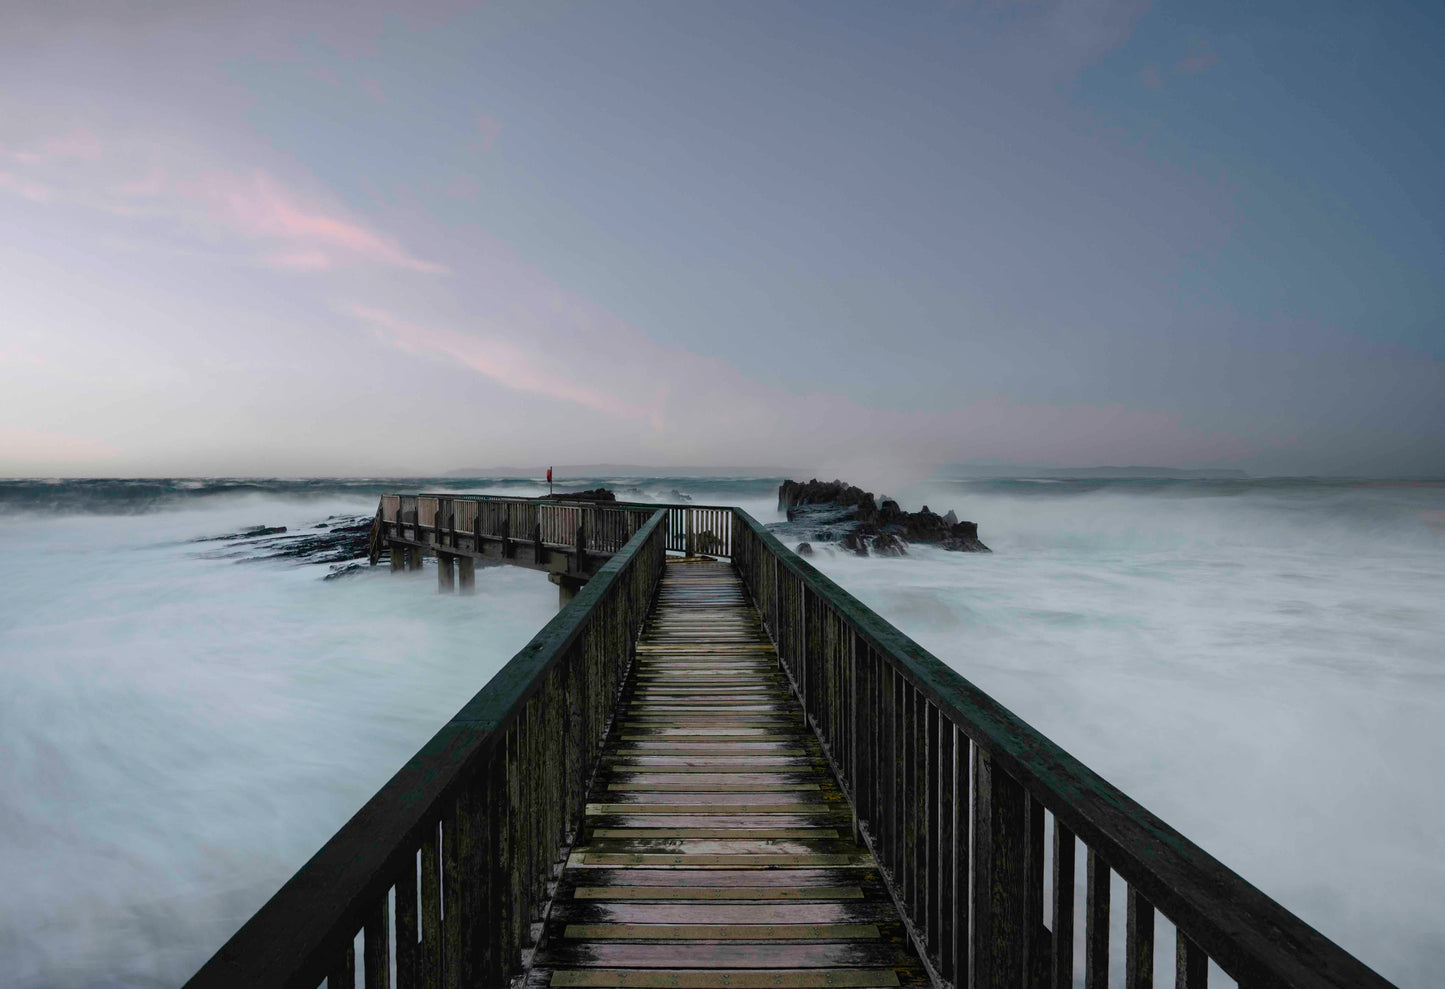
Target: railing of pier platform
x=955, y=794
x=450, y=861
x=606, y=526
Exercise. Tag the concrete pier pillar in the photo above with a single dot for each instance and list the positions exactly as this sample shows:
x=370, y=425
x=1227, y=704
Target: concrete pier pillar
x=413, y=558
x=446, y=573
x=467, y=574
x=567, y=587
x=398, y=558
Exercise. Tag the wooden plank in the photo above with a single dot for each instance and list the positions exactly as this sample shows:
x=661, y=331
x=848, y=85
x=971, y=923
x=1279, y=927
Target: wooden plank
x=838, y=978
x=699, y=860
x=705, y=955
x=718, y=892
x=738, y=833
x=710, y=808
x=723, y=932
x=819, y=912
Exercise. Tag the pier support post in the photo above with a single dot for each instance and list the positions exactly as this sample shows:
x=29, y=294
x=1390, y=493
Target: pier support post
x=467, y=574
x=446, y=576
x=567, y=587
x=413, y=558
x=398, y=558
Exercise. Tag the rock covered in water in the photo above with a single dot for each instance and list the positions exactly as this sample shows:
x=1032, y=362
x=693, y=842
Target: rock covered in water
x=887, y=544
x=340, y=539
x=805, y=549
x=852, y=516
x=792, y=494
x=591, y=494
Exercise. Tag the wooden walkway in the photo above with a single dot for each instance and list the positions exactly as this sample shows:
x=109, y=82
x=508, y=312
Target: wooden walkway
x=717, y=848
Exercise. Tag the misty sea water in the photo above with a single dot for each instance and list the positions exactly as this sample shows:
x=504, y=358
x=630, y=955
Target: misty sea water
x=1261, y=663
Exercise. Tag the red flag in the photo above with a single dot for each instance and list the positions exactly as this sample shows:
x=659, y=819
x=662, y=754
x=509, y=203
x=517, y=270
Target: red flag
x=549, y=475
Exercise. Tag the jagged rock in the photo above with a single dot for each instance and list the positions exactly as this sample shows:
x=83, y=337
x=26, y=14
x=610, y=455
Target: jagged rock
x=805, y=549
x=963, y=538
x=887, y=544
x=253, y=532
x=850, y=511
x=815, y=492
x=592, y=494
x=677, y=495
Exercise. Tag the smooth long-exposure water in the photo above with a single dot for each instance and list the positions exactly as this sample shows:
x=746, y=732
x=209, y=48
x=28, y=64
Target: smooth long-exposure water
x=1260, y=663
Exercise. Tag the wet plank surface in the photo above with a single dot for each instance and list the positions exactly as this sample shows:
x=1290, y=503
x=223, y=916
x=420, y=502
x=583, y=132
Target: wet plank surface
x=717, y=848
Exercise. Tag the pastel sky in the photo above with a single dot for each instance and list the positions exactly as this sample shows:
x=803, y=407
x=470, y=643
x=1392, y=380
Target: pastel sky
x=378, y=238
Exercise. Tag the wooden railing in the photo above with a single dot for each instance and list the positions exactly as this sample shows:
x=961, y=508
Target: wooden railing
x=606, y=526
x=465, y=837
x=953, y=793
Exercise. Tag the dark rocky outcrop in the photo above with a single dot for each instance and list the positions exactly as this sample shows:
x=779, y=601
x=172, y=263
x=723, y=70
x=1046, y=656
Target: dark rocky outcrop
x=792, y=494
x=835, y=510
x=341, y=540
x=805, y=549
x=592, y=494
x=887, y=544
x=251, y=533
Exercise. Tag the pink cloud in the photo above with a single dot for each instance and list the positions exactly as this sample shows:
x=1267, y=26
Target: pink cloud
x=259, y=207
x=297, y=233
x=489, y=128
x=77, y=144
x=501, y=361
x=300, y=260
x=26, y=189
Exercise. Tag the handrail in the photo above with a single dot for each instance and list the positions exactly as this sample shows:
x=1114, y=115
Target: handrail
x=552, y=522
x=912, y=741
x=469, y=831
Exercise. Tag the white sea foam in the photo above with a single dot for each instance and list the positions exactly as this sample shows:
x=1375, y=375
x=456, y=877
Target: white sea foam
x=1261, y=665
x=179, y=734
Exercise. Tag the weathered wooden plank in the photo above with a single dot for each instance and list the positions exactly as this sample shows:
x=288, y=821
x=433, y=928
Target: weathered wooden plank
x=839, y=911
x=693, y=979
x=723, y=932
x=718, y=892
x=735, y=833
x=700, y=860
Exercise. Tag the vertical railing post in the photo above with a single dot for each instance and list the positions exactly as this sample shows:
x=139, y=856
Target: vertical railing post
x=997, y=917
x=691, y=536
x=1063, y=919
x=856, y=726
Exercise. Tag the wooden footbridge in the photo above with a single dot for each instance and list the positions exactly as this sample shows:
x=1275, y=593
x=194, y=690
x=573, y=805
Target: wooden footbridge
x=716, y=768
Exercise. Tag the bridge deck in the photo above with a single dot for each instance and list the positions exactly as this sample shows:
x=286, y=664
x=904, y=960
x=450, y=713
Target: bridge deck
x=717, y=848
